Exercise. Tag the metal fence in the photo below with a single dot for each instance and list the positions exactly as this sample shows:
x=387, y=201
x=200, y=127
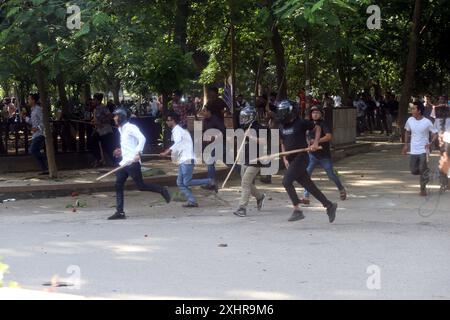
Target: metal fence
x=68, y=136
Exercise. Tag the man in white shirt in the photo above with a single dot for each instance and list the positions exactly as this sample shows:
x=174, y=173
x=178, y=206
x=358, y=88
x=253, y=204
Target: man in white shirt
x=37, y=129
x=183, y=152
x=418, y=128
x=132, y=143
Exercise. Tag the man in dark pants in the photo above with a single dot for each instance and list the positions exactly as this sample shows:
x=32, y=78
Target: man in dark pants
x=418, y=130
x=293, y=136
x=132, y=143
x=104, y=135
x=37, y=129
x=322, y=157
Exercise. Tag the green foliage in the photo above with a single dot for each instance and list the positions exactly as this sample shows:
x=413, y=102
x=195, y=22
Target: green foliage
x=134, y=44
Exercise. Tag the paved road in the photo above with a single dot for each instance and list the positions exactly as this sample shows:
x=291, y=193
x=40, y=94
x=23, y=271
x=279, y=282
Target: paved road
x=380, y=247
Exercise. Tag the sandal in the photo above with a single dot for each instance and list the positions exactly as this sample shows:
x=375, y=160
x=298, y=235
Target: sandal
x=305, y=201
x=343, y=194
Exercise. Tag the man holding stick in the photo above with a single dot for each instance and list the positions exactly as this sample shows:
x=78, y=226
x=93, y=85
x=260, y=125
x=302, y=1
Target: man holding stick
x=250, y=169
x=293, y=136
x=132, y=143
x=322, y=157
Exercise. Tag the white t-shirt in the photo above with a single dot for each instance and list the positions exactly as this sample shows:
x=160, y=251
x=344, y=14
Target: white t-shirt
x=183, y=147
x=420, y=134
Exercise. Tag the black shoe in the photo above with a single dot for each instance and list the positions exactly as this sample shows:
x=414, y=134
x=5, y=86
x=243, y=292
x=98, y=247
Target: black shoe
x=260, y=202
x=44, y=173
x=331, y=212
x=118, y=216
x=241, y=212
x=296, y=215
x=166, y=194
x=190, y=205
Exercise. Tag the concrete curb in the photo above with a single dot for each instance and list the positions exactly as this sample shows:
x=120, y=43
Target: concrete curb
x=64, y=190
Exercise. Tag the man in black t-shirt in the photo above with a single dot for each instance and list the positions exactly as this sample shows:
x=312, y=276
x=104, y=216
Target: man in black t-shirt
x=293, y=136
x=322, y=157
x=212, y=121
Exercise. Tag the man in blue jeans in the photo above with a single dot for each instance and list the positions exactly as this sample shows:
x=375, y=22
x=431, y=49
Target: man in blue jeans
x=37, y=129
x=322, y=157
x=183, y=152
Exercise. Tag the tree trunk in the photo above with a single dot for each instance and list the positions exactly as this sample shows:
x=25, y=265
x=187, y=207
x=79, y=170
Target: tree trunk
x=181, y=17
x=45, y=104
x=233, y=63
x=87, y=93
x=307, y=74
x=280, y=63
x=410, y=65
x=63, y=95
x=258, y=76
x=344, y=72
x=116, y=91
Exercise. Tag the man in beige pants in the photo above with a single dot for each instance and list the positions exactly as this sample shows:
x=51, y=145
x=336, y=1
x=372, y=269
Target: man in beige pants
x=249, y=169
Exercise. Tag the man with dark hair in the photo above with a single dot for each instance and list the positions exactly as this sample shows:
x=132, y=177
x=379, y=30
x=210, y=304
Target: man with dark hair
x=132, y=143
x=216, y=104
x=322, y=157
x=418, y=130
x=179, y=107
x=37, y=129
x=104, y=136
x=183, y=151
x=212, y=121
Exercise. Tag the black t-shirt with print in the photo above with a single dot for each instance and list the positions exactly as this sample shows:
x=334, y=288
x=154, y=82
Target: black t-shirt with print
x=325, y=153
x=294, y=135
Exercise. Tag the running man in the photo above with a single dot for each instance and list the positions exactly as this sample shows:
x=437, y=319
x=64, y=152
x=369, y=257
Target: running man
x=293, y=136
x=322, y=157
x=418, y=130
x=132, y=143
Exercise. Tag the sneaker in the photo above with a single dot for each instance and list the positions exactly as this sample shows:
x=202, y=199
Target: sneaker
x=166, y=194
x=118, y=216
x=296, y=215
x=241, y=212
x=260, y=202
x=331, y=212
x=190, y=205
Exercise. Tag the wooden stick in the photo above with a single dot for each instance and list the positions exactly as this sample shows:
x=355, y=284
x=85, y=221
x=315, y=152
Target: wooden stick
x=154, y=155
x=113, y=171
x=237, y=156
x=281, y=154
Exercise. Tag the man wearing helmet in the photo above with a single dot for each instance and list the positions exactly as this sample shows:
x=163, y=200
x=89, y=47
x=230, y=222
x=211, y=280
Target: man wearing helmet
x=293, y=136
x=250, y=169
x=132, y=143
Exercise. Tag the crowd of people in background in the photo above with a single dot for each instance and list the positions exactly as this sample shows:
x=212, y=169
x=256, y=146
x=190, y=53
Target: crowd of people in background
x=376, y=113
